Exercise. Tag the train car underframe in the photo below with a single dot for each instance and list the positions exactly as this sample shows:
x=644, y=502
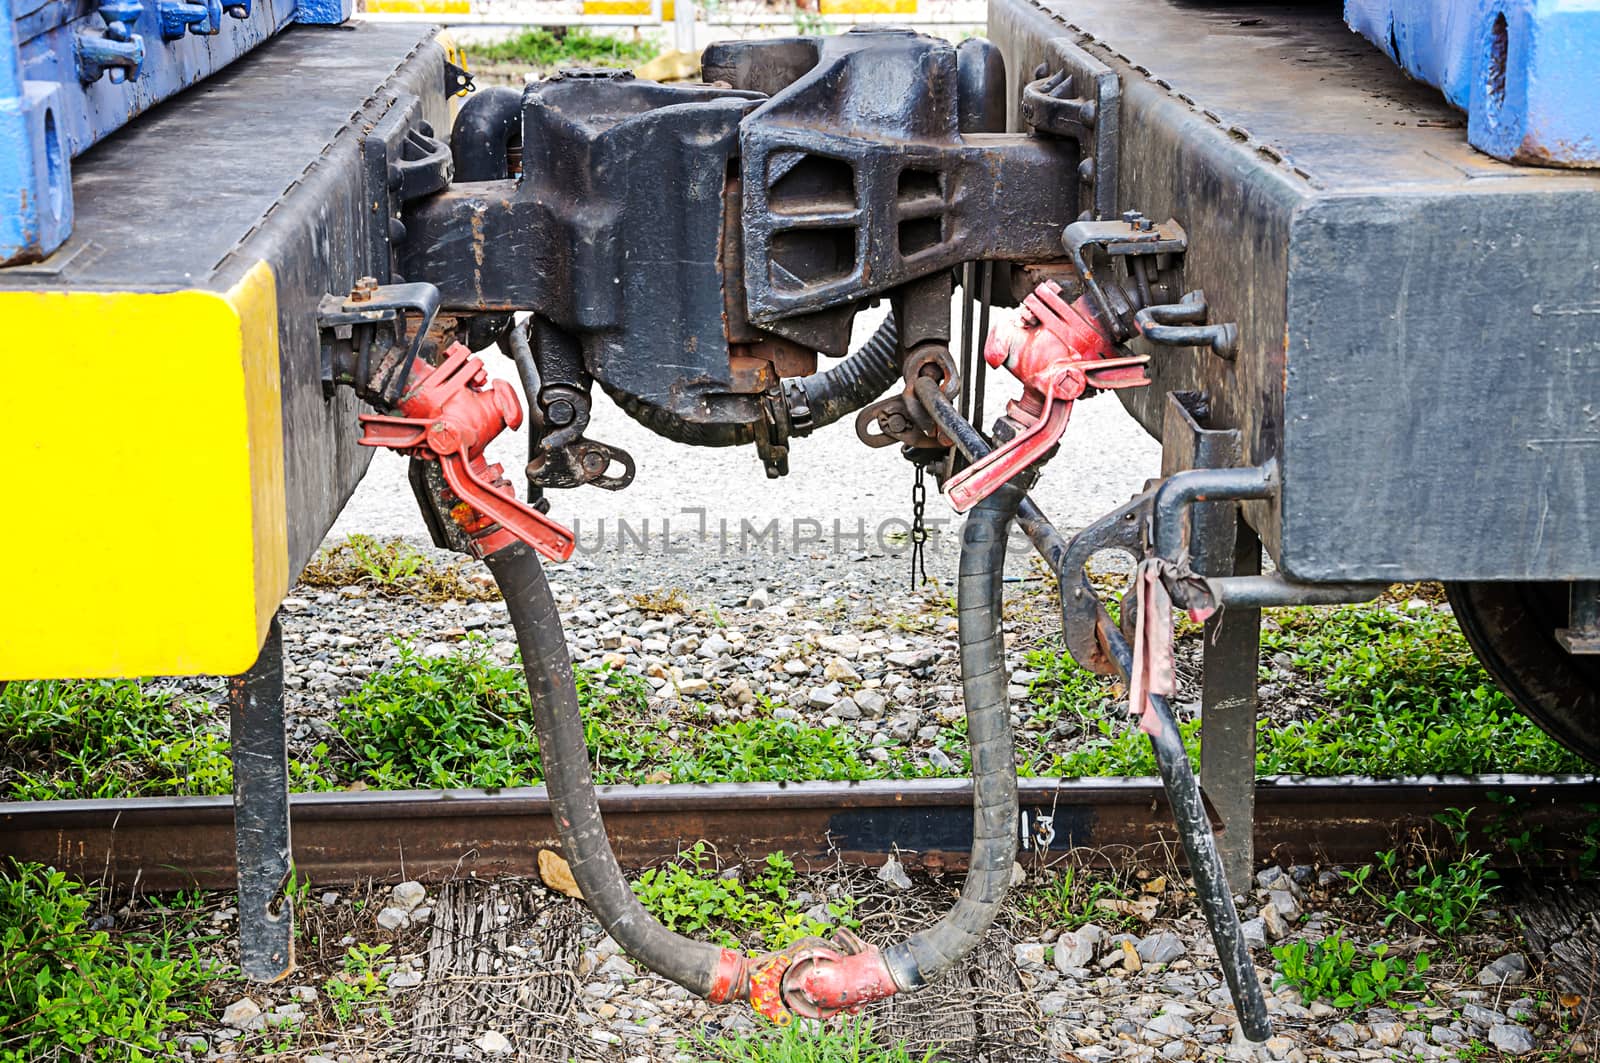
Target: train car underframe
x=1304, y=282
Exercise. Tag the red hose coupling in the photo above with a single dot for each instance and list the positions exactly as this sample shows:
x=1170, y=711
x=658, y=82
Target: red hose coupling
x=1058, y=352
x=812, y=978
x=731, y=980
x=449, y=414
x=822, y=981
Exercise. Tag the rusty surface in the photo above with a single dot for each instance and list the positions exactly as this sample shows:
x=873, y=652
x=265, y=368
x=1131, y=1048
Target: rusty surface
x=165, y=843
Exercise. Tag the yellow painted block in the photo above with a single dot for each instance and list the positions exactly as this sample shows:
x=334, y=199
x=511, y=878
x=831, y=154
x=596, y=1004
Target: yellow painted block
x=867, y=7
x=142, y=431
x=628, y=7
x=419, y=7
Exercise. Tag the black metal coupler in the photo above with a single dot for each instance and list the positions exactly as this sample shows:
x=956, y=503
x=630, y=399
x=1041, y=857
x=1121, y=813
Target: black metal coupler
x=658, y=224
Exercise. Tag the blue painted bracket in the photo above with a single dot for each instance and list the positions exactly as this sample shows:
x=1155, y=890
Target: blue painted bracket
x=73, y=73
x=1525, y=71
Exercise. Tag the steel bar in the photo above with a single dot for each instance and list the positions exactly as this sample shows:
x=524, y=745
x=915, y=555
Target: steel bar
x=261, y=813
x=167, y=843
x=1183, y=489
x=1046, y=540
x=1231, y=649
x=985, y=295
x=1265, y=592
x=1200, y=846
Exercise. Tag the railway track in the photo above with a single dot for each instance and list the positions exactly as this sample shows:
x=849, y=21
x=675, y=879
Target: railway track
x=176, y=842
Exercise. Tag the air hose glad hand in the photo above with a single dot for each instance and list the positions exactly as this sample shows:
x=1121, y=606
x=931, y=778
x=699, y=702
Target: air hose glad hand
x=811, y=979
x=1059, y=352
x=449, y=413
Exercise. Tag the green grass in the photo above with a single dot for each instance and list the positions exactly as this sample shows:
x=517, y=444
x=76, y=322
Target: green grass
x=1440, y=893
x=68, y=992
x=689, y=896
x=767, y=750
x=360, y=984
x=574, y=47
x=1400, y=694
x=441, y=722
x=394, y=568
x=842, y=1040
x=1105, y=741
x=112, y=738
x=461, y=720
x=464, y=720
x=1405, y=696
x=1071, y=899
x=1335, y=970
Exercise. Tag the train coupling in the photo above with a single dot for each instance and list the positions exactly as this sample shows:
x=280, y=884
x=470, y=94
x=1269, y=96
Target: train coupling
x=447, y=415
x=1059, y=351
x=811, y=979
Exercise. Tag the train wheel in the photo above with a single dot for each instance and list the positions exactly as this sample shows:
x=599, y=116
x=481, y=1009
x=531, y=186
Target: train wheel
x=1511, y=627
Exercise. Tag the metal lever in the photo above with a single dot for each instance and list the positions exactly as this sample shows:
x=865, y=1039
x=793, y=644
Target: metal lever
x=1058, y=352
x=451, y=414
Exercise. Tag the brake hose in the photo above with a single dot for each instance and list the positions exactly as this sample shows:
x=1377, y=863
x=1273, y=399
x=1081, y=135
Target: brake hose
x=812, y=978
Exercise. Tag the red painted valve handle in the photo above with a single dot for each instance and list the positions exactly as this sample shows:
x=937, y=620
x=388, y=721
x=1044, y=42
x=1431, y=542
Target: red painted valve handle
x=1058, y=351
x=449, y=414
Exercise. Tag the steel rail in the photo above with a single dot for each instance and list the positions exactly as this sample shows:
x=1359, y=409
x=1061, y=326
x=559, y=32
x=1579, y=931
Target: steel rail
x=164, y=843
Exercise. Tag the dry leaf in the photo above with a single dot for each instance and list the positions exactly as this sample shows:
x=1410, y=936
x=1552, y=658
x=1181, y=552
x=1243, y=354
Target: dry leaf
x=1143, y=909
x=557, y=874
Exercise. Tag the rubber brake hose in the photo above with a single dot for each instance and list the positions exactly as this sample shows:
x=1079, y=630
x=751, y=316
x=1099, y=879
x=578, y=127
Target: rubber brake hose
x=812, y=978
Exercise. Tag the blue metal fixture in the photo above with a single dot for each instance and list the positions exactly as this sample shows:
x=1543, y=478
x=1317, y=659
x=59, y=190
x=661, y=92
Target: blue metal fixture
x=1523, y=70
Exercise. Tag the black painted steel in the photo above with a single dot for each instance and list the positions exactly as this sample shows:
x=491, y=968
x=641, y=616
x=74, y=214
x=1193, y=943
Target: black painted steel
x=1200, y=845
x=1080, y=97
x=256, y=167
x=1416, y=322
x=671, y=233
x=261, y=814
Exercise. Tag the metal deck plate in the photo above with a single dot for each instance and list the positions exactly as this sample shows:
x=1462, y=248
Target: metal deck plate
x=164, y=200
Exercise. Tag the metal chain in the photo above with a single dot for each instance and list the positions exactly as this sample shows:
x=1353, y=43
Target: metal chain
x=919, y=531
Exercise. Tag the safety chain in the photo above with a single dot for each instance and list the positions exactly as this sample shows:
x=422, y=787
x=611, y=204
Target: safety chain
x=919, y=531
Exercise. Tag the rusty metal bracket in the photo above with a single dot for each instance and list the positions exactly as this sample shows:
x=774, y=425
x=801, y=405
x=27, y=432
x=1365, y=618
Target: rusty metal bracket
x=1078, y=97
x=1149, y=254
x=1083, y=616
x=582, y=461
x=772, y=433
x=261, y=814
x=889, y=421
x=373, y=320
x=401, y=161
